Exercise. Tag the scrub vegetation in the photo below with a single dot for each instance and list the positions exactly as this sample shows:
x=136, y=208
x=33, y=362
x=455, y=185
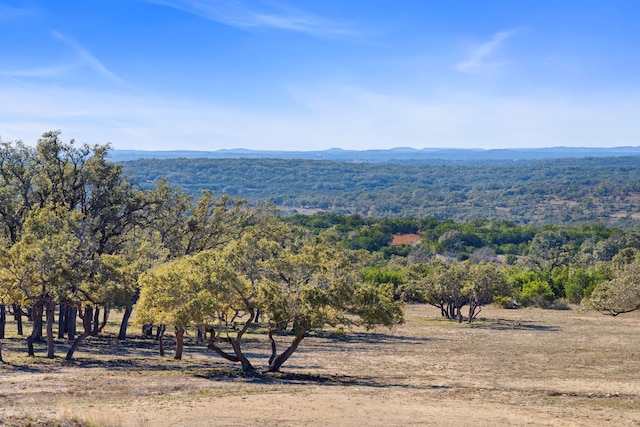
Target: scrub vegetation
x=238, y=292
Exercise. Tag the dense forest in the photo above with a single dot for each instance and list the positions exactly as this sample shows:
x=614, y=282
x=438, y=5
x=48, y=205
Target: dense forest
x=541, y=192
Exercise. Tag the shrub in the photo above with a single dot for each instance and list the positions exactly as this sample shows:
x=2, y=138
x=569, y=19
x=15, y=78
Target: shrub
x=505, y=302
x=561, y=304
x=538, y=293
x=574, y=291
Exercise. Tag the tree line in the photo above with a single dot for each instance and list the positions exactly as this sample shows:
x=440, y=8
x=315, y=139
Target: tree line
x=80, y=239
x=469, y=264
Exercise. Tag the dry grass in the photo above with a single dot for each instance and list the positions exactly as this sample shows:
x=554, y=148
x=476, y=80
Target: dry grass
x=514, y=367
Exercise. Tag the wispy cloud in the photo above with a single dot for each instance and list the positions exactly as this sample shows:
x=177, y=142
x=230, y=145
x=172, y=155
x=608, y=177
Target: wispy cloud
x=89, y=60
x=83, y=59
x=480, y=57
x=238, y=14
x=41, y=72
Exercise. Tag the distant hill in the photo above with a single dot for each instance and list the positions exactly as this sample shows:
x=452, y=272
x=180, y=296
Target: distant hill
x=546, y=191
x=395, y=155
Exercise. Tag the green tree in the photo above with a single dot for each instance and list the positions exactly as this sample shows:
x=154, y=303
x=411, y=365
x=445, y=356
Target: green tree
x=551, y=249
x=179, y=293
x=78, y=179
x=49, y=259
x=440, y=284
x=296, y=282
x=484, y=282
x=620, y=294
x=317, y=284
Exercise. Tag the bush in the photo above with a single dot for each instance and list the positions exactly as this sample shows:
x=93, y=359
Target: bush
x=505, y=302
x=410, y=292
x=574, y=291
x=538, y=293
x=561, y=304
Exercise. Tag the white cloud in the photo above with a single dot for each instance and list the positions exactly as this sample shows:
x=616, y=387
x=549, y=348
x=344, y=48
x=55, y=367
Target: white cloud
x=480, y=57
x=238, y=14
x=83, y=59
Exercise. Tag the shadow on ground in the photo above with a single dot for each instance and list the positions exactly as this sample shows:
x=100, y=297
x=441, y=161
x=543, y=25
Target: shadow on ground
x=505, y=324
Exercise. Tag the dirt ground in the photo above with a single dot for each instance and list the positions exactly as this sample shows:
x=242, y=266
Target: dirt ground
x=526, y=367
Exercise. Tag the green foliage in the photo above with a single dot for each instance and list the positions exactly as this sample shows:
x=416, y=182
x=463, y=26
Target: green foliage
x=53, y=257
x=73, y=230
x=484, y=283
x=505, y=302
x=297, y=282
x=439, y=284
x=620, y=294
x=581, y=283
x=537, y=293
x=379, y=276
x=396, y=251
x=371, y=238
x=559, y=191
x=319, y=281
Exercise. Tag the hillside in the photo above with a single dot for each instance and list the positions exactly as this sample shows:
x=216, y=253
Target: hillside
x=562, y=191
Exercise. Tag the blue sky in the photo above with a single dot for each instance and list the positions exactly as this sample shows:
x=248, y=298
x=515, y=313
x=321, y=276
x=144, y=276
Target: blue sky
x=308, y=75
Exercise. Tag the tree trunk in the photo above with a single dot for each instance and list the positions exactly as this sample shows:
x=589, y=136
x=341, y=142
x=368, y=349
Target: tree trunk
x=236, y=344
x=3, y=320
x=37, y=327
x=105, y=319
x=246, y=365
x=62, y=316
x=472, y=311
x=222, y=353
x=87, y=317
x=160, y=331
x=96, y=320
x=125, y=322
x=36, y=318
x=274, y=350
x=277, y=362
x=72, y=318
x=179, y=343
x=50, y=311
x=160, y=338
x=65, y=325
x=238, y=356
x=147, y=330
x=17, y=313
x=127, y=314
